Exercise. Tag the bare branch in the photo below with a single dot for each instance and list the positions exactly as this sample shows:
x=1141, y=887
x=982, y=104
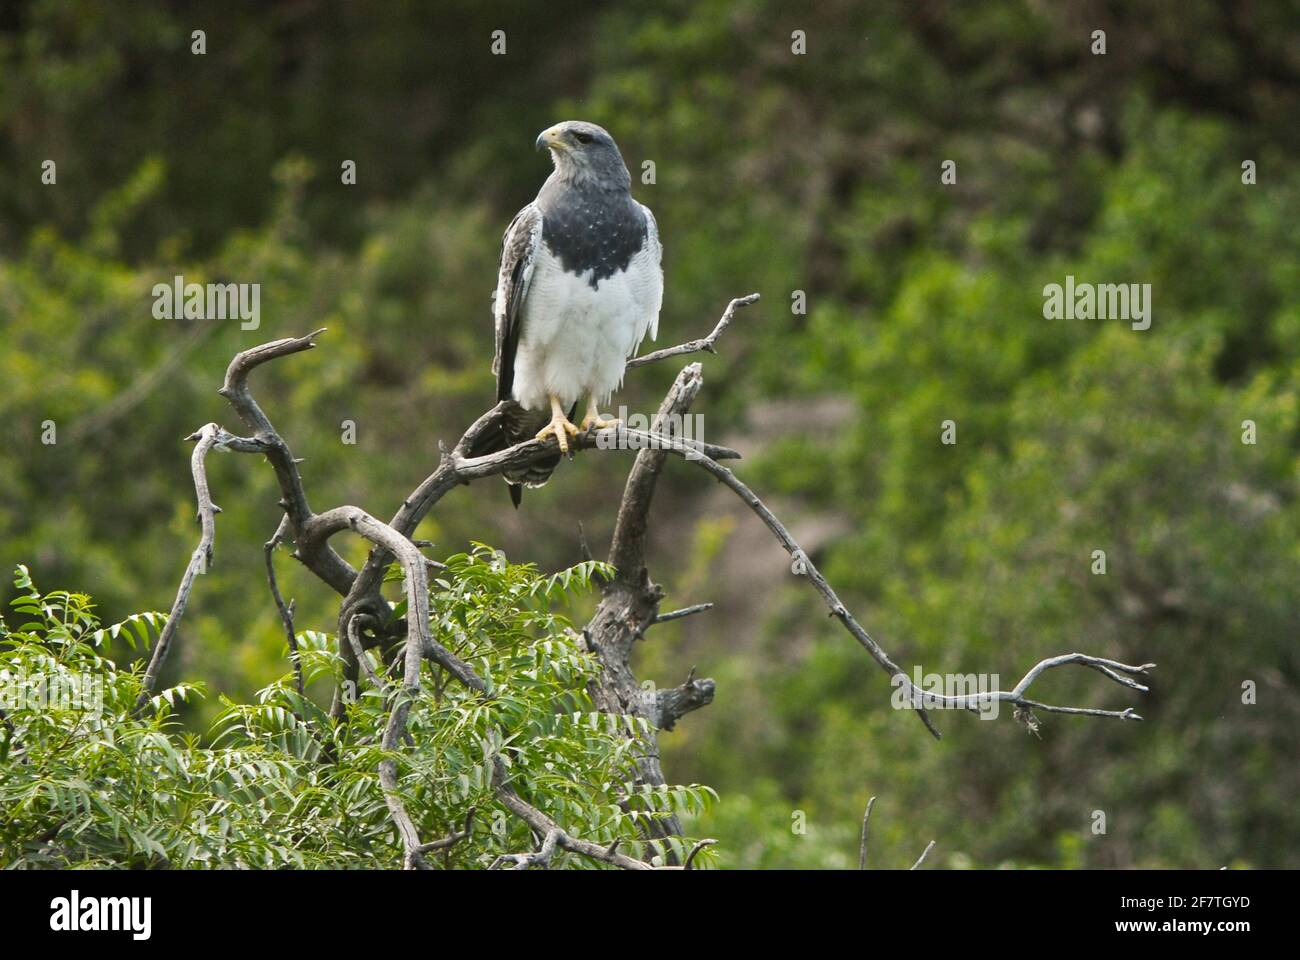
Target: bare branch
x=419, y=644
x=453, y=838
x=814, y=575
x=235, y=389
x=286, y=612
x=674, y=703
x=684, y=612
x=321, y=559
x=326, y=524
x=544, y=826
x=630, y=602
x=924, y=853
x=707, y=345
x=627, y=549
x=208, y=436
x=978, y=701
x=862, y=851
x=556, y=836
x=393, y=733
x=1110, y=668
x=695, y=850
x=354, y=629
x=463, y=470
x=542, y=857
x=916, y=697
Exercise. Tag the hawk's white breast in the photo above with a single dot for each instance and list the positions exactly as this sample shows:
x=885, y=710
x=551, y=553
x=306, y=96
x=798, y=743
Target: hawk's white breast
x=575, y=338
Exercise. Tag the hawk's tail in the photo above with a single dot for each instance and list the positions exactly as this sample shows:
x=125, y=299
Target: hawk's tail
x=516, y=426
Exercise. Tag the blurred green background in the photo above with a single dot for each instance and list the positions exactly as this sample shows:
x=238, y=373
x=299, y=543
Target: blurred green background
x=775, y=172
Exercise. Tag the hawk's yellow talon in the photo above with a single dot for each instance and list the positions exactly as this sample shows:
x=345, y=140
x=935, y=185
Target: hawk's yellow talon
x=594, y=419
x=562, y=429
x=559, y=426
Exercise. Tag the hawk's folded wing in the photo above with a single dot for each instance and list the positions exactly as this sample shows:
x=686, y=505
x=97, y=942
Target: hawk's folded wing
x=518, y=251
x=657, y=250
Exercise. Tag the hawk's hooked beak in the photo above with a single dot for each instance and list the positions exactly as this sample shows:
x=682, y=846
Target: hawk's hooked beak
x=550, y=137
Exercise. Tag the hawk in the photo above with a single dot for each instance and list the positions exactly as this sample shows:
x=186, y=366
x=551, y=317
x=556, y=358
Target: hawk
x=579, y=286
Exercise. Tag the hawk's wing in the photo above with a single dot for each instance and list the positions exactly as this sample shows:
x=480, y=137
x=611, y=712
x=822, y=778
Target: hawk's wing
x=518, y=249
x=657, y=251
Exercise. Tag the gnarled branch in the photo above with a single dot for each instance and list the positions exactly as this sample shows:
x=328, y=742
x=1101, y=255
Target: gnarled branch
x=208, y=437
x=675, y=702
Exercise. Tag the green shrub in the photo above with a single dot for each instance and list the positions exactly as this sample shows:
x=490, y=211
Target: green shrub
x=85, y=782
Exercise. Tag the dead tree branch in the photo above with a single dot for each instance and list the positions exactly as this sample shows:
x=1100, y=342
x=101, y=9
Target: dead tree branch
x=208, y=436
x=862, y=850
x=684, y=612
x=286, y=612
x=554, y=836
x=707, y=345
x=675, y=702
x=924, y=853
x=354, y=638
x=453, y=838
x=628, y=605
x=807, y=568
x=629, y=602
x=320, y=558
x=917, y=698
x=978, y=701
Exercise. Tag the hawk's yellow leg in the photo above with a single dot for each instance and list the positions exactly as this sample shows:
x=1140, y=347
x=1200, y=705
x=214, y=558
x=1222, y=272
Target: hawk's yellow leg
x=594, y=419
x=559, y=425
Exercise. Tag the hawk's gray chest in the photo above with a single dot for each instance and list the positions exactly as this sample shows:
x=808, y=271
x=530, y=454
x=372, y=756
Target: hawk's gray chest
x=593, y=233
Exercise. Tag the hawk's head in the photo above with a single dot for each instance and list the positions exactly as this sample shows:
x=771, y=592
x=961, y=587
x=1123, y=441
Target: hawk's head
x=585, y=152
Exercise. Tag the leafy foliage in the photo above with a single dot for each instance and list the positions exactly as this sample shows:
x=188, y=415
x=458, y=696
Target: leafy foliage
x=86, y=782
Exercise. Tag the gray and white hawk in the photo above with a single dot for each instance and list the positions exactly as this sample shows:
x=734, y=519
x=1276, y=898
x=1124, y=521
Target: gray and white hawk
x=580, y=284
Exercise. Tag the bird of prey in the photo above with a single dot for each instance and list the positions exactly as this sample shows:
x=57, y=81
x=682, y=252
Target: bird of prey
x=579, y=286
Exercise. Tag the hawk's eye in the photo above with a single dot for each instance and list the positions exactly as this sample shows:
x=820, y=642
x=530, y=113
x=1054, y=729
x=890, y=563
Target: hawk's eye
x=583, y=137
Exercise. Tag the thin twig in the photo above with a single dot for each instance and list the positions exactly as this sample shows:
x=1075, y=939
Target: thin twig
x=286, y=611
x=977, y=701
x=706, y=345
x=354, y=628
x=684, y=612
x=921, y=859
x=452, y=838
x=699, y=845
x=862, y=851
x=819, y=582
